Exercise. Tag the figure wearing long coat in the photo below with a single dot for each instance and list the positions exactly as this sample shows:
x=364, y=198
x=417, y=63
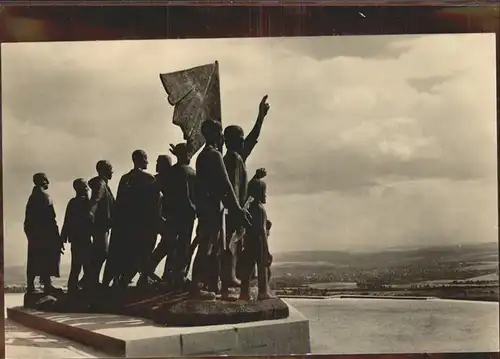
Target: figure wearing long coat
x=44, y=241
x=134, y=232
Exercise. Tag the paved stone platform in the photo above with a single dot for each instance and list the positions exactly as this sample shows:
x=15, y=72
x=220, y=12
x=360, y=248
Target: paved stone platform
x=159, y=304
x=118, y=335
x=22, y=342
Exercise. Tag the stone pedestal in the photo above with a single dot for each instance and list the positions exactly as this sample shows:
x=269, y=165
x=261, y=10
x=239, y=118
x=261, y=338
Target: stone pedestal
x=124, y=336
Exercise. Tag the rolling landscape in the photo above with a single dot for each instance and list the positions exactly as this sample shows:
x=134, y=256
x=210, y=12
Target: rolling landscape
x=454, y=272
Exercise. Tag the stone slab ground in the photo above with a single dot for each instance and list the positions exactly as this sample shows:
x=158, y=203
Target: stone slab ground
x=124, y=336
x=22, y=342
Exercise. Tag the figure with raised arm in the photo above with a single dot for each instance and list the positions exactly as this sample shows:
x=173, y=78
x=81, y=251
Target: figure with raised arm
x=213, y=188
x=44, y=242
x=239, y=149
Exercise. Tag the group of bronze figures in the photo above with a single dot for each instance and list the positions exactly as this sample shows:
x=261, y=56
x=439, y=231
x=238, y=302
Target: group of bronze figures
x=119, y=235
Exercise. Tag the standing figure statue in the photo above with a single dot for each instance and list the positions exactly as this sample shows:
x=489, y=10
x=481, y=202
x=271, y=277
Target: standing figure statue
x=213, y=188
x=163, y=167
x=137, y=202
x=101, y=209
x=239, y=149
x=255, y=246
x=180, y=213
x=44, y=242
x=77, y=231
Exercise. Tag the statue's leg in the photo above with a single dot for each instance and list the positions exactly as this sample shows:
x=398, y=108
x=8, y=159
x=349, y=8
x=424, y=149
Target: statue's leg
x=108, y=274
x=30, y=276
x=170, y=261
x=182, y=251
x=229, y=259
x=199, y=260
x=203, y=262
x=201, y=269
x=30, y=287
x=76, y=267
x=100, y=244
x=262, y=281
x=47, y=283
x=129, y=264
x=147, y=249
x=237, y=257
x=158, y=253
x=85, y=260
x=214, y=265
x=246, y=263
x=262, y=273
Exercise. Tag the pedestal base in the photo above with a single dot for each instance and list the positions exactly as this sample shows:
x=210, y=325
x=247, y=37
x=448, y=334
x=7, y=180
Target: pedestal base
x=124, y=336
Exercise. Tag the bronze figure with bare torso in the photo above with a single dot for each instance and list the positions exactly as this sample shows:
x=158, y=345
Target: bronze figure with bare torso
x=239, y=149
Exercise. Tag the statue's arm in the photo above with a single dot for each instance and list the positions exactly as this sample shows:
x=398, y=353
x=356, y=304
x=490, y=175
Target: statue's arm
x=261, y=221
x=192, y=188
x=156, y=196
x=98, y=192
x=227, y=191
x=117, y=207
x=51, y=213
x=229, y=163
x=27, y=217
x=263, y=234
x=68, y=216
x=252, y=137
x=120, y=192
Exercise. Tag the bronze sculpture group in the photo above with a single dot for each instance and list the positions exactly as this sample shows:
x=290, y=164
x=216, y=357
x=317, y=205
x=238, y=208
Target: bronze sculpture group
x=119, y=235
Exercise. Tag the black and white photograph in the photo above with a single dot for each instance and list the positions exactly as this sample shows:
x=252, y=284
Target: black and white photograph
x=250, y=196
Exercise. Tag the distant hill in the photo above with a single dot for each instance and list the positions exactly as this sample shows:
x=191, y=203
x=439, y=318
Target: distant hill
x=308, y=262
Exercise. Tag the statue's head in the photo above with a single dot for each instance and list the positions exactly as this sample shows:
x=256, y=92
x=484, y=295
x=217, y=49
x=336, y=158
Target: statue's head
x=180, y=151
x=212, y=132
x=40, y=180
x=257, y=189
x=163, y=164
x=81, y=187
x=104, y=169
x=234, y=138
x=140, y=159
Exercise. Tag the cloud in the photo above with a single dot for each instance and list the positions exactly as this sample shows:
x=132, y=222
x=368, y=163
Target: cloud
x=323, y=48
x=349, y=117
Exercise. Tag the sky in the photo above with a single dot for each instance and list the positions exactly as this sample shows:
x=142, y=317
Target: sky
x=370, y=142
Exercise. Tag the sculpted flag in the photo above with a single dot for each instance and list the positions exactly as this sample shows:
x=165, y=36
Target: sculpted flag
x=195, y=93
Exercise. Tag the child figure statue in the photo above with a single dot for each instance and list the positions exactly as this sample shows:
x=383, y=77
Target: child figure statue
x=255, y=246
